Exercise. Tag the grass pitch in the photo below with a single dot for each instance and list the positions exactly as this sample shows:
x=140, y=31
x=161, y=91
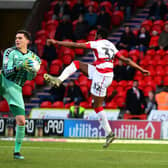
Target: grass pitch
x=84, y=155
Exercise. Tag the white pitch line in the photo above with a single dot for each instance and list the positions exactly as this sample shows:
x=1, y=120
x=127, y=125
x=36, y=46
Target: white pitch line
x=117, y=141
x=84, y=150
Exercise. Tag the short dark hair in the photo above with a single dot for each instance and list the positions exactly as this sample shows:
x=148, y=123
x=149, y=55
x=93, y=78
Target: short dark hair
x=77, y=103
x=102, y=32
x=26, y=34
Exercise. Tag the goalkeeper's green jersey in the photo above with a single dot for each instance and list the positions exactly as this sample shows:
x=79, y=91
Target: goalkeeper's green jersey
x=12, y=58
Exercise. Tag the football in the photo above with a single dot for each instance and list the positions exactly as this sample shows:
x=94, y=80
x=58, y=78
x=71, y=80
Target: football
x=35, y=66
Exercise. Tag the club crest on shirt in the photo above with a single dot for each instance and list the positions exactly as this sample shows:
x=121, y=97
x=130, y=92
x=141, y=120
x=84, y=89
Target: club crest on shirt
x=6, y=60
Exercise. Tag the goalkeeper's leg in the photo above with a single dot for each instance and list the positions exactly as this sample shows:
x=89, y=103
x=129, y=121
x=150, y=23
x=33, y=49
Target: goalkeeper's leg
x=19, y=114
x=69, y=70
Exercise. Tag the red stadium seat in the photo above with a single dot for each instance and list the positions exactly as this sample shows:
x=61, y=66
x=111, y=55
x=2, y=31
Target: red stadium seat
x=46, y=104
x=147, y=78
x=91, y=35
x=94, y=4
x=68, y=51
x=138, y=78
x=150, y=52
x=74, y=23
x=122, y=93
x=158, y=22
x=157, y=28
x=122, y=83
x=114, y=83
x=80, y=51
x=85, y=91
x=83, y=80
x=151, y=62
x=43, y=24
x=54, y=69
x=42, y=70
x=138, y=73
x=130, y=83
x=143, y=62
x=111, y=105
x=117, y=18
x=68, y=105
x=51, y=27
x=48, y=15
x=4, y=106
x=44, y=62
x=160, y=52
x=120, y=101
x=110, y=91
x=134, y=52
x=159, y=70
x=160, y=62
x=39, y=79
x=30, y=83
x=166, y=69
x=120, y=89
x=84, y=104
x=158, y=80
x=40, y=46
x=129, y=116
x=135, y=32
x=165, y=80
x=140, y=3
x=157, y=58
x=52, y=4
x=58, y=104
x=67, y=59
x=27, y=90
x=57, y=62
x=42, y=35
x=141, y=84
x=166, y=52
x=147, y=89
x=106, y=4
x=124, y=52
x=147, y=24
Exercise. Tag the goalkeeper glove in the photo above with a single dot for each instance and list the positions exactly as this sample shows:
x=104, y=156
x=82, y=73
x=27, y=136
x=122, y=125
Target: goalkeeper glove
x=26, y=64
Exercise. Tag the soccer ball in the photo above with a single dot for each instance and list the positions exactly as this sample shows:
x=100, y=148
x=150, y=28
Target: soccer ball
x=35, y=66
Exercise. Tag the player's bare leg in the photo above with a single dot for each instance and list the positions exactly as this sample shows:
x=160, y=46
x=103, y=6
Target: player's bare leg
x=98, y=101
x=69, y=70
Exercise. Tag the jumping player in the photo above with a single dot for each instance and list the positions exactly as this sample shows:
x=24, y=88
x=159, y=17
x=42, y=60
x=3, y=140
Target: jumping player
x=16, y=69
x=101, y=74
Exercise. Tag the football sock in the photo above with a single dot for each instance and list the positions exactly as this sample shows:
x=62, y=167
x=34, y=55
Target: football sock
x=69, y=70
x=20, y=133
x=103, y=119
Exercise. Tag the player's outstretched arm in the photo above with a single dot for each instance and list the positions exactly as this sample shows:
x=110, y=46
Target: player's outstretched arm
x=133, y=64
x=67, y=43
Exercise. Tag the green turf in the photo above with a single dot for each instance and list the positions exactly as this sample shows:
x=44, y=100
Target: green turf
x=80, y=155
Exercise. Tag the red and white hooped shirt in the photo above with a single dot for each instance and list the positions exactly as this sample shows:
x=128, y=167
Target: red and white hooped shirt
x=104, y=53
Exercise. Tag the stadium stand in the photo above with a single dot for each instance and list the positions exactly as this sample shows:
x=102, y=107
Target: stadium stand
x=154, y=60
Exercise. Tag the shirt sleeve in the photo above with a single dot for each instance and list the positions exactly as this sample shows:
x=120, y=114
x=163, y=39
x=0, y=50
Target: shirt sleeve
x=8, y=62
x=31, y=75
x=91, y=44
x=116, y=51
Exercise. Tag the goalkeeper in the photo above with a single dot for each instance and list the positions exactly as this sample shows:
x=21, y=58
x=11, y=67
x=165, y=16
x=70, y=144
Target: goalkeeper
x=16, y=69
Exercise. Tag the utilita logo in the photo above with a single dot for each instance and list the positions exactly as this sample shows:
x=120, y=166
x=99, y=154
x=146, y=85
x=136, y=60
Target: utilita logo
x=135, y=131
x=85, y=130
